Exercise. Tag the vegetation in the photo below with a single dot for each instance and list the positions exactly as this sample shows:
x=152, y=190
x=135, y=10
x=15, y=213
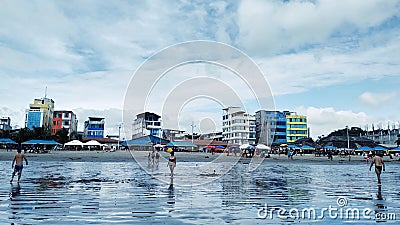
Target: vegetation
x=41, y=133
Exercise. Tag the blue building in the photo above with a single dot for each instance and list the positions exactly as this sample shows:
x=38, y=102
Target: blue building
x=270, y=127
x=40, y=113
x=145, y=124
x=94, y=127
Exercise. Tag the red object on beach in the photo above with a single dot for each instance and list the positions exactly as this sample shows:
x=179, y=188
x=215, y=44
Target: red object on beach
x=209, y=146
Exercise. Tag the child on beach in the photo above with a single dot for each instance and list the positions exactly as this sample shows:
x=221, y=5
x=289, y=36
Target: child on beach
x=172, y=163
x=19, y=165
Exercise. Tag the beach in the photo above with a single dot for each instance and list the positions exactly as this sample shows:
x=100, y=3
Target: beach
x=121, y=188
x=126, y=156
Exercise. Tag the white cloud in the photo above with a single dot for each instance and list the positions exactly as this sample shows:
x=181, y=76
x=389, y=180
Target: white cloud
x=377, y=99
x=323, y=121
x=283, y=26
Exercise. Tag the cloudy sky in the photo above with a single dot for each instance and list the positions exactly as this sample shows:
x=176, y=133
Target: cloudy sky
x=338, y=62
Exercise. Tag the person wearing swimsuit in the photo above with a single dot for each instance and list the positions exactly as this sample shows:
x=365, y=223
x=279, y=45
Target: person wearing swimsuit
x=379, y=165
x=172, y=163
x=18, y=161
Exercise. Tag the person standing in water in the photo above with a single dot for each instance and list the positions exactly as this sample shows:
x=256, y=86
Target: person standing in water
x=19, y=165
x=379, y=165
x=172, y=163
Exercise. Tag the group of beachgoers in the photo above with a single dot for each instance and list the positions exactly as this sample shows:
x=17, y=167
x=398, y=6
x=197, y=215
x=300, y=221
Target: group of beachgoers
x=153, y=159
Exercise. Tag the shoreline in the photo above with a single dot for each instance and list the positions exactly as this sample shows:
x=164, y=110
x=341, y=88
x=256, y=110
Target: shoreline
x=128, y=156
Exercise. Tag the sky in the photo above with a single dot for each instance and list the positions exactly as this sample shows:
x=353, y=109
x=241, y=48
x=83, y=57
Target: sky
x=337, y=62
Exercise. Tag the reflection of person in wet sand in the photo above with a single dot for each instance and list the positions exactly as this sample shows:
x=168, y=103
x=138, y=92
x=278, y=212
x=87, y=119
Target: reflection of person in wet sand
x=15, y=191
x=157, y=161
x=19, y=165
x=172, y=163
x=379, y=165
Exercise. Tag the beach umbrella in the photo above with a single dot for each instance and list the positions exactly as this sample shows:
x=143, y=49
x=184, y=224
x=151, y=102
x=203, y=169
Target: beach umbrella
x=92, y=143
x=73, y=142
x=209, y=146
x=219, y=146
x=262, y=147
x=244, y=146
x=365, y=148
x=379, y=148
x=234, y=147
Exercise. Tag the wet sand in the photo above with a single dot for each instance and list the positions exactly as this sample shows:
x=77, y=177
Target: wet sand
x=112, y=188
x=127, y=156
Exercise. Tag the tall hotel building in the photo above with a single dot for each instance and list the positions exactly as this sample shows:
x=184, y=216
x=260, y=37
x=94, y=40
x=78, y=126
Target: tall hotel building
x=275, y=127
x=145, y=124
x=64, y=120
x=40, y=113
x=238, y=127
x=296, y=127
x=94, y=127
x=270, y=127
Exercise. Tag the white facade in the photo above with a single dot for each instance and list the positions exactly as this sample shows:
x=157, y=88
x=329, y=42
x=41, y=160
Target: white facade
x=238, y=127
x=5, y=123
x=145, y=124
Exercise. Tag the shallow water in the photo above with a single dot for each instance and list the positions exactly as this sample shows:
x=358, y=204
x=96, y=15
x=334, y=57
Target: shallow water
x=122, y=193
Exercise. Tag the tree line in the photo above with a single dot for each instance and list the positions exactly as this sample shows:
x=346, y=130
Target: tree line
x=42, y=133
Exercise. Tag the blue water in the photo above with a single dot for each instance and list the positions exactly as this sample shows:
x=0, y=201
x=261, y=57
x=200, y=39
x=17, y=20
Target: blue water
x=122, y=193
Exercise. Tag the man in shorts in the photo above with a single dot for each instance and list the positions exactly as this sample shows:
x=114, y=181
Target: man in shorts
x=18, y=160
x=379, y=165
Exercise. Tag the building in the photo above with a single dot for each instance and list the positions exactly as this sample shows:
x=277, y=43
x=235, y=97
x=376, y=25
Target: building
x=238, y=127
x=278, y=127
x=296, y=127
x=94, y=127
x=145, y=124
x=63, y=119
x=5, y=123
x=217, y=136
x=270, y=127
x=173, y=134
x=382, y=136
x=40, y=113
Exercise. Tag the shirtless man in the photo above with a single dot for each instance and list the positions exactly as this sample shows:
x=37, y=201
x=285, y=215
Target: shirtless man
x=18, y=165
x=379, y=165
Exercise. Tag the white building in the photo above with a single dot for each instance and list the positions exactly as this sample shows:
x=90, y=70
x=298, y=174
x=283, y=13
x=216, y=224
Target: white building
x=238, y=127
x=5, y=123
x=145, y=124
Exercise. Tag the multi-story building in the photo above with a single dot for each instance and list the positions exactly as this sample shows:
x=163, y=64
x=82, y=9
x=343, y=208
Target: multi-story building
x=40, y=113
x=63, y=119
x=296, y=127
x=276, y=127
x=211, y=136
x=382, y=136
x=173, y=134
x=270, y=127
x=238, y=127
x=5, y=123
x=94, y=127
x=147, y=123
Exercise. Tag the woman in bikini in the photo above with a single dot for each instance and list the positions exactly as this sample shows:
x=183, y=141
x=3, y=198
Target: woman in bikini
x=172, y=163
